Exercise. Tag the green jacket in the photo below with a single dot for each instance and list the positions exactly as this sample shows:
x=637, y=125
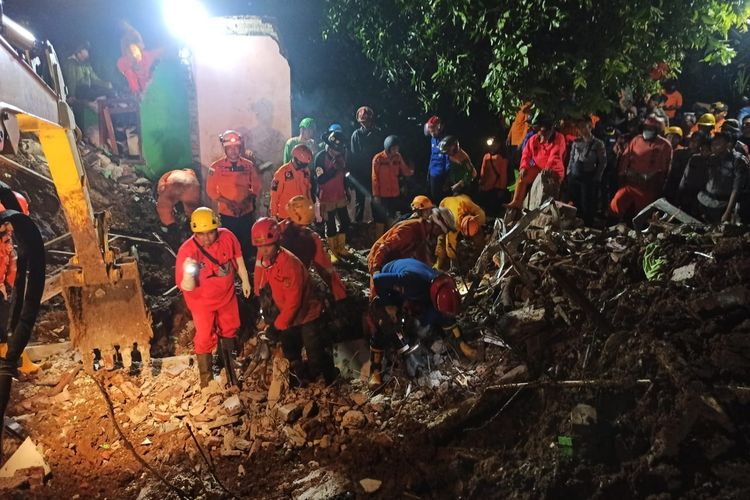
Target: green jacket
x=78, y=73
x=293, y=142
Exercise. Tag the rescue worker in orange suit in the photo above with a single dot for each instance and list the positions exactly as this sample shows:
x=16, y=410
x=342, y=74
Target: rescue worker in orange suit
x=411, y=287
x=7, y=282
x=330, y=172
x=544, y=151
x=643, y=168
x=493, y=178
x=306, y=244
x=291, y=180
x=234, y=183
x=297, y=324
x=176, y=186
x=517, y=133
x=421, y=207
x=136, y=63
x=469, y=219
x=387, y=166
x=409, y=239
x=205, y=272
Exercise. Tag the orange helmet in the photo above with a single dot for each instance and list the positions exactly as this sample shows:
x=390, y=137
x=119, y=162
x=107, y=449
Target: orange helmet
x=470, y=225
x=265, y=232
x=421, y=202
x=364, y=112
x=444, y=295
x=300, y=210
x=302, y=155
x=230, y=138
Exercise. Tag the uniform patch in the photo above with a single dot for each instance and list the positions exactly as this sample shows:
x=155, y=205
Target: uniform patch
x=288, y=175
x=319, y=171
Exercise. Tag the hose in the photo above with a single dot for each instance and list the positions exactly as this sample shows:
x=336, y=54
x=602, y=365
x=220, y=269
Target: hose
x=29, y=286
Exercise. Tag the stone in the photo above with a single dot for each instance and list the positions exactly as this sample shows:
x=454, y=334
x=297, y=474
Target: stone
x=220, y=422
x=353, y=419
x=583, y=415
x=370, y=485
x=288, y=413
x=358, y=398
x=683, y=273
x=325, y=441
x=438, y=347
x=138, y=413
x=310, y=409
x=518, y=374
x=294, y=436
x=130, y=390
x=232, y=405
x=257, y=396
x=279, y=381
x=241, y=471
x=162, y=416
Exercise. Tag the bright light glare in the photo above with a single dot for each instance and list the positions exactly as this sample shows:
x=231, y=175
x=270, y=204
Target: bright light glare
x=490, y=141
x=20, y=30
x=185, y=19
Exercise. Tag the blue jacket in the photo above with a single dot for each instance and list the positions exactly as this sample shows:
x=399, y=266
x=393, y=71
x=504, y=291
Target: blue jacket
x=439, y=162
x=412, y=275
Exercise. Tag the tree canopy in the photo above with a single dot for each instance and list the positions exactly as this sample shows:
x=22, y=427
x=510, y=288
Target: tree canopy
x=561, y=55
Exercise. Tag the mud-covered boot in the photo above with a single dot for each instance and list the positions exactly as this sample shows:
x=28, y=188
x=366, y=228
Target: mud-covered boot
x=333, y=248
x=204, y=368
x=376, y=368
x=341, y=249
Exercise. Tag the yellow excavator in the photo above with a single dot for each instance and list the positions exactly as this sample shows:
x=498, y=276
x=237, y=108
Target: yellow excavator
x=109, y=322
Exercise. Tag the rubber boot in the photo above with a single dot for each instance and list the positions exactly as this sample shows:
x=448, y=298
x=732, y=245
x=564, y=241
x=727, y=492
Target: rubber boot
x=204, y=368
x=226, y=346
x=332, y=246
x=25, y=364
x=341, y=249
x=379, y=230
x=376, y=367
x=465, y=348
x=297, y=373
x=519, y=194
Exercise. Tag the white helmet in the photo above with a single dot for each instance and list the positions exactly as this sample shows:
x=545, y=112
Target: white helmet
x=444, y=219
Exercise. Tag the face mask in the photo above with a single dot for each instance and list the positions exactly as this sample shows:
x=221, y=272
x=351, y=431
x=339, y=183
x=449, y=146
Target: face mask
x=649, y=134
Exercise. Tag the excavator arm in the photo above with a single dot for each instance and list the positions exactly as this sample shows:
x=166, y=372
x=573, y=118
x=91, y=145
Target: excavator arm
x=102, y=291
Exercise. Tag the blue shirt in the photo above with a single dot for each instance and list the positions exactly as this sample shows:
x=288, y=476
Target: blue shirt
x=439, y=162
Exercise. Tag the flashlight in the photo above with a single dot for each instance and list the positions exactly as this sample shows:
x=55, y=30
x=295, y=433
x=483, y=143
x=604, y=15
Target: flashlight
x=490, y=141
x=191, y=268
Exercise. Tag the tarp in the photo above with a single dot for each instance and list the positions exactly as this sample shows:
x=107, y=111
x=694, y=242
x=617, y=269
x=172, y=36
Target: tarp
x=165, y=121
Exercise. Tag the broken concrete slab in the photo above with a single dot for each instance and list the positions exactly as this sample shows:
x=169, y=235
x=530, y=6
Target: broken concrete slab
x=288, y=413
x=683, y=273
x=26, y=456
x=232, y=405
x=39, y=352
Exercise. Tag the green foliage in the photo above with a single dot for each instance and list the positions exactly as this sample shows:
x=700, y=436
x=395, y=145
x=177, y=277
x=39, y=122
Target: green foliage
x=552, y=53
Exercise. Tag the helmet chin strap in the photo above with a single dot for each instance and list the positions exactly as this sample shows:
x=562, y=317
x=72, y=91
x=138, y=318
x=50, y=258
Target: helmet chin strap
x=268, y=262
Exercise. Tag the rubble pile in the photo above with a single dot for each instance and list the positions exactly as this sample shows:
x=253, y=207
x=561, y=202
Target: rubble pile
x=648, y=332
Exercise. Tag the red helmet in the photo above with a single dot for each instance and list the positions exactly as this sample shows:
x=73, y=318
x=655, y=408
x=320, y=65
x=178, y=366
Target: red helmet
x=265, y=232
x=302, y=154
x=22, y=202
x=364, y=112
x=230, y=138
x=434, y=120
x=444, y=295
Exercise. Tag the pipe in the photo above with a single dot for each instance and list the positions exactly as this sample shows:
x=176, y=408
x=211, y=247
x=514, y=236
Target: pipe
x=29, y=287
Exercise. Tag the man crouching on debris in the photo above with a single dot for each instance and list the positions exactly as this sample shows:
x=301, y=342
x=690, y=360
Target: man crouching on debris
x=409, y=239
x=410, y=287
x=297, y=324
x=205, y=269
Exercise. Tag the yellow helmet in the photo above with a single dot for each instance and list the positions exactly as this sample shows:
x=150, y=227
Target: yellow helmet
x=203, y=220
x=421, y=202
x=300, y=210
x=673, y=130
x=707, y=119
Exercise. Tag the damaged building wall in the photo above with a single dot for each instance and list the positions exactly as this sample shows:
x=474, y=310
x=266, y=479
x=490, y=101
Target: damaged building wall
x=256, y=100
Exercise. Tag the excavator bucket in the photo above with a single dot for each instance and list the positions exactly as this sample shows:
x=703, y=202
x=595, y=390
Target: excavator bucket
x=109, y=323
